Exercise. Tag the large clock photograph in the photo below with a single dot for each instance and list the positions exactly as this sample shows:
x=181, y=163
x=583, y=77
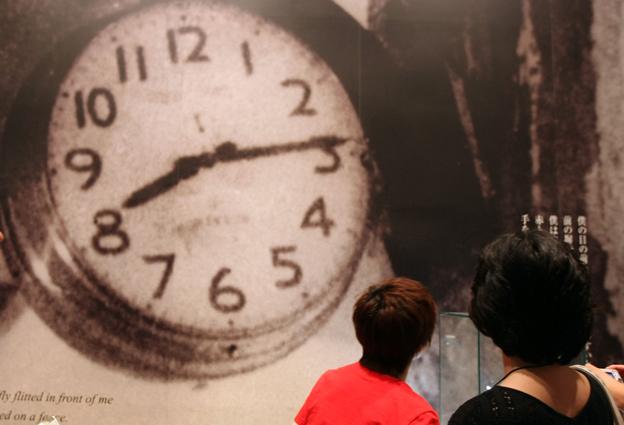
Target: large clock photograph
x=243, y=196
x=194, y=192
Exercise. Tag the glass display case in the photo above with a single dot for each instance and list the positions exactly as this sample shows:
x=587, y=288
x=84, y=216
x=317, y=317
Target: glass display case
x=469, y=362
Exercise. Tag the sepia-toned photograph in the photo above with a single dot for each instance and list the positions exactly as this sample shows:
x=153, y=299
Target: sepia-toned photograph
x=197, y=195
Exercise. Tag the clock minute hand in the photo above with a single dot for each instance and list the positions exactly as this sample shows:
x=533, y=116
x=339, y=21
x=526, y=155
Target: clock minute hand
x=229, y=152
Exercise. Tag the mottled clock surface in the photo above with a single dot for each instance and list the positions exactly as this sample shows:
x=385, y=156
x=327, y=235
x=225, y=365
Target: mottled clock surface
x=205, y=168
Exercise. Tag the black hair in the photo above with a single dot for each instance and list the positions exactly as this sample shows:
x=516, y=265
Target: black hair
x=531, y=295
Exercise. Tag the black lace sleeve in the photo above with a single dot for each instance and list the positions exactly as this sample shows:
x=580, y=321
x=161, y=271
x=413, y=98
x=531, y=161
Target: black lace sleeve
x=505, y=406
x=467, y=414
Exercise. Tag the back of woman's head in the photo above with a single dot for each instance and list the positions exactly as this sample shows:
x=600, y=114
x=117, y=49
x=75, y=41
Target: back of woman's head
x=531, y=295
x=393, y=321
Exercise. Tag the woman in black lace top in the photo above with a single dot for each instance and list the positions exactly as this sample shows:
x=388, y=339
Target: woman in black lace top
x=531, y=296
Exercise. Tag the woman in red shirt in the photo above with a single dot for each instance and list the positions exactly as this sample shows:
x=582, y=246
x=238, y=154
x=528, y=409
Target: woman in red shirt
x=393, y=321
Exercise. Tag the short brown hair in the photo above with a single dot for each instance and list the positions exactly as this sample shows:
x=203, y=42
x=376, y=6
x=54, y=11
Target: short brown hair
x=393, y=321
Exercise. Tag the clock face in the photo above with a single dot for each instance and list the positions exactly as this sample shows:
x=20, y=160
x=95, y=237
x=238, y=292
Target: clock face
x=205, y=169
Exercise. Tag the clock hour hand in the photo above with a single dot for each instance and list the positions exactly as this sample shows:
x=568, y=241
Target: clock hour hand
x=183, y=168
x=188, y=166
